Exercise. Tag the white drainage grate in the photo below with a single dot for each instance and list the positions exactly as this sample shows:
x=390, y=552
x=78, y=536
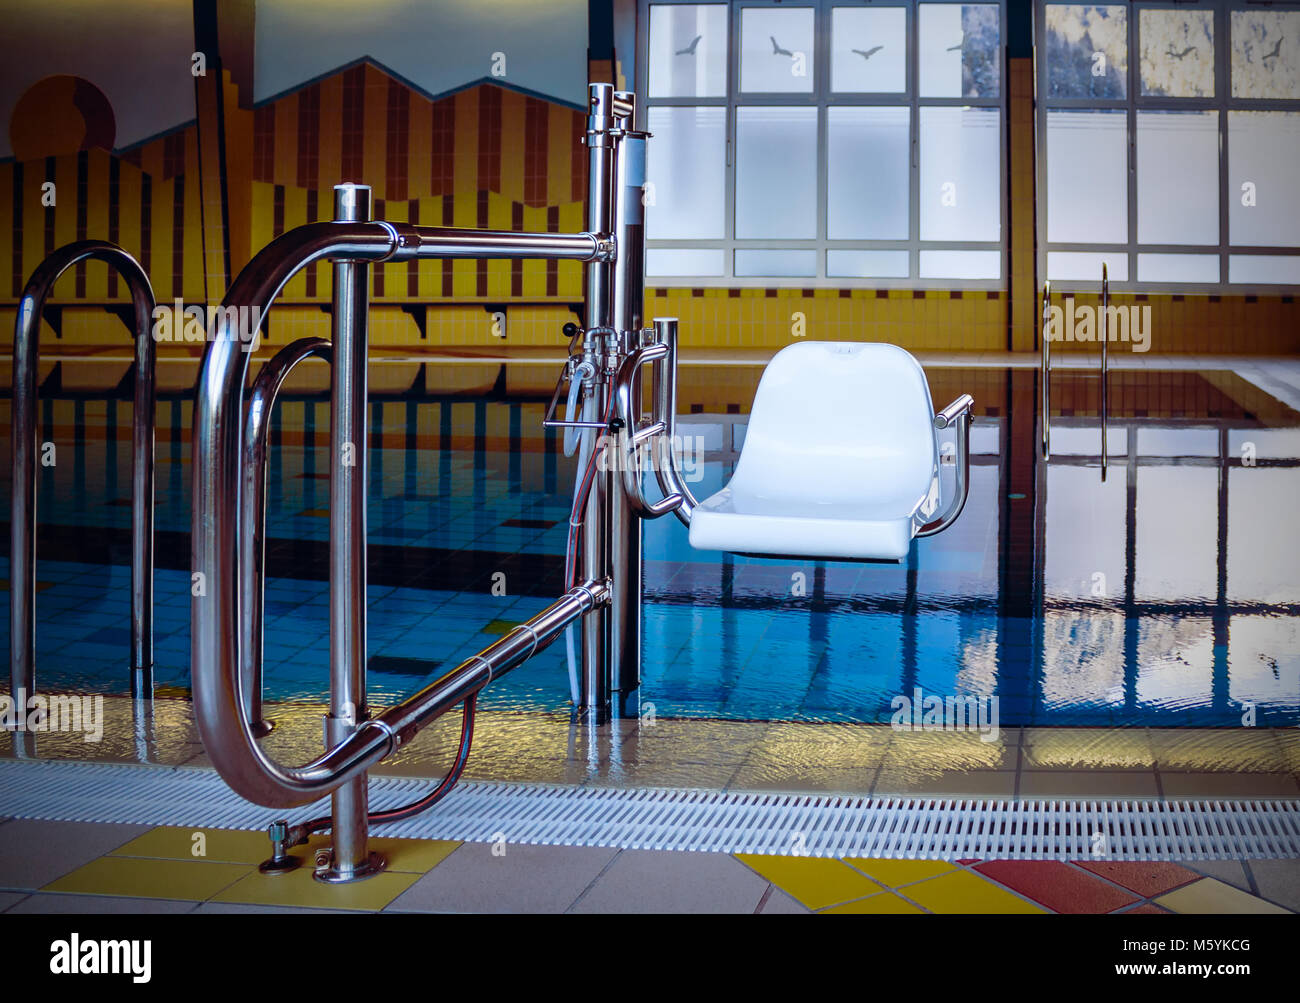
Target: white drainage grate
x=824, y=826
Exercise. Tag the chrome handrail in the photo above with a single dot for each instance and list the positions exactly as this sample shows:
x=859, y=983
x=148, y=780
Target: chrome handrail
x=664, y=412
x=632, y=438
x=22, y=571
x=958, y=414
x=252, y=540
x=1045, y=372
x=1104, y=327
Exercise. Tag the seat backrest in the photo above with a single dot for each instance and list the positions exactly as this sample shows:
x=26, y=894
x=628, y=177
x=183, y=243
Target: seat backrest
x=840, y=424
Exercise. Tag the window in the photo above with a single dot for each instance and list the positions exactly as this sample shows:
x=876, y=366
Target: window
x=1168, y=138
x=824, y=143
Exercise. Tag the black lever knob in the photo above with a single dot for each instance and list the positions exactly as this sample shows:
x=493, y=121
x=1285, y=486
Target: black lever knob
x=570, y=330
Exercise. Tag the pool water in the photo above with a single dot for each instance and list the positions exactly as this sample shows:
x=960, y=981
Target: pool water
x=1165, y=594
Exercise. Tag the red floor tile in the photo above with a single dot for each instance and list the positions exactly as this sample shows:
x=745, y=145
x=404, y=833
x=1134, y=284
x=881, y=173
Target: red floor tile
x=1056, y=885
x=969, y=860
x=1149, y=909
x=1147, y=878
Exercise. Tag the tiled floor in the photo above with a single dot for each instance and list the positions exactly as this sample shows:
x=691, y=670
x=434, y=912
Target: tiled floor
x=81, y=868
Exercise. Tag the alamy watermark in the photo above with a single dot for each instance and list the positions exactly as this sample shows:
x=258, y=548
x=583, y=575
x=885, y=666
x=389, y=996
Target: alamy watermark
x=945, y=713
x=1130, y=325
x=196, y=323
x=54, y=712
x=615, y=454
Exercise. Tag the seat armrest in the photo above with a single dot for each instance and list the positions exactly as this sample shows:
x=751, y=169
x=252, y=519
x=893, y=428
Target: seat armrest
x=956, y=415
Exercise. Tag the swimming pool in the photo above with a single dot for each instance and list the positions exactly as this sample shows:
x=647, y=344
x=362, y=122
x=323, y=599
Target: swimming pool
x=1163, y=595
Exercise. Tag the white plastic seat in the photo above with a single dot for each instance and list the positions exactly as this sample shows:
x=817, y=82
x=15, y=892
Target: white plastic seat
x=839, y=458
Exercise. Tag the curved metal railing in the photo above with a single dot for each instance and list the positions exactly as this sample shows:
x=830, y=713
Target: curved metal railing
x=22, y=571
x=218, y=666
x=252, y=539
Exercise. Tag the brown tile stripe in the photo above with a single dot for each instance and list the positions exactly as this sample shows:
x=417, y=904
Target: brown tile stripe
x=442, y=168
x=354, y=114
x=309, y=137
x=399, y=130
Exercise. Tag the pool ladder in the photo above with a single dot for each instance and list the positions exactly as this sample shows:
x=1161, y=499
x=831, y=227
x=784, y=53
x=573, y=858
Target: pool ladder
x=1045, y=369
x=26, y=448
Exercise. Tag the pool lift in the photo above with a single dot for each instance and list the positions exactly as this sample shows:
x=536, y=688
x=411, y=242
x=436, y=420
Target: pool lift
x=841, y=461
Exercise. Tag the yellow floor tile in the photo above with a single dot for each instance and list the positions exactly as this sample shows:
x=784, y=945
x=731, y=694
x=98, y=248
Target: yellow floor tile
x=817, y=882
x=138, y=877
x=299, y=888
x=408, y=856
x=234, y=846
x=888, y=903
x=964, y=892
x=895, y=873
x=1209, y=895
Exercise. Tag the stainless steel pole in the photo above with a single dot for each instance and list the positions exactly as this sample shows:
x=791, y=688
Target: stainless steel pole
x=1104, y=326
x=142, y=500
x=595, y=682
x=350, y=858
x=628, y=296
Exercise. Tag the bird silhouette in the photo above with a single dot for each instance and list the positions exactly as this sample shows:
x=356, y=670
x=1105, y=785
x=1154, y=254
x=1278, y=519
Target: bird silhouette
x=870, y=52
x=690, y=49
x=1277, y=49
x=1179, y=55
x=777, y=50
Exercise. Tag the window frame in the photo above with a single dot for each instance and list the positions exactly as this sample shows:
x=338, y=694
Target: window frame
x=1222, y=103
x=822, y=98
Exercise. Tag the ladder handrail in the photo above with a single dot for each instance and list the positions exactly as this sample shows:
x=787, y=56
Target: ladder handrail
x=1045, y=371
x=1104, y=327
x=26, y=354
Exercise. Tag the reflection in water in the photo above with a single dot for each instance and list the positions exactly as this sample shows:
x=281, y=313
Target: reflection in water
x=1164, y=596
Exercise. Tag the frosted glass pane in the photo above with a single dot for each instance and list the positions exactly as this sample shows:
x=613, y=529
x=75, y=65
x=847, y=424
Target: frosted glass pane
x=1177, y=558
x=1085, y=266
x=867, y=173
x=1264, y=269
x=1263, y=540
x=1082, y=513
x=684, y=261
x=1178, y=177
x=960, y=174
x=959, y=50
x=1157, y=441
x=867, y=264
x=1178, y=268
x=776, y=172
x=1087, y=177
x=1087, y=51
x=1263, y=151
x=961, y=264
x=1266, y=54
x=781, y=263
x=1176, y=52
x=686, y=173
x=688, y=50
x=869, y=50
x=776, y=50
